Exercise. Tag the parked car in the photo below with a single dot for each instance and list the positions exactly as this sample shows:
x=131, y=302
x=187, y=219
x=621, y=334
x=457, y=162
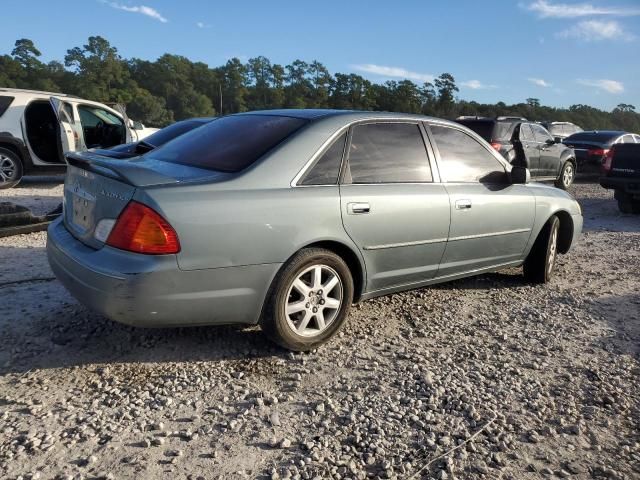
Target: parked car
x=287, y=217
x=621, y=173
x=591, y=147
x=38, y=128
x=527, y=144
x=561, y=130
x=155, y=140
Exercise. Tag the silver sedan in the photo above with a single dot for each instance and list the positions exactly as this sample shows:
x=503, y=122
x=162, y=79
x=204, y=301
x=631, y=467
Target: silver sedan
x=286, y=218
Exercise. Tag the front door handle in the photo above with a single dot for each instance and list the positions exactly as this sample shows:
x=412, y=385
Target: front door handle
x=358, y=208
x=463, y=204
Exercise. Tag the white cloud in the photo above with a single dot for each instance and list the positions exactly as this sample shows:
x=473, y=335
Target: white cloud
x=610, y=86
x=540, y=82
x=395, y=72
x=202, y=25
x=476, y=85
x=596, y=30
x=141, y=9
x=547, y=9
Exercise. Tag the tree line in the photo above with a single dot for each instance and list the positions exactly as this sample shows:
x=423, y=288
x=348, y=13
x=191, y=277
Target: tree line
x=174, y=88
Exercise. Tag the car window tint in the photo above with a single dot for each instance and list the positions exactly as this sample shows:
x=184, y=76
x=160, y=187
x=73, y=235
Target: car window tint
x=525, y=133
x=68, y=110
x=229, y=144
x=464, y=159
x=172, y=131
x=541, y=134
x=388, y=153
x=5, y=101
x=326, y=170
x=627, y=139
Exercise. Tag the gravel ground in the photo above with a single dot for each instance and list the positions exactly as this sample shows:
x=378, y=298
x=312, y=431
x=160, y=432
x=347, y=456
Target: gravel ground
x=481, y=378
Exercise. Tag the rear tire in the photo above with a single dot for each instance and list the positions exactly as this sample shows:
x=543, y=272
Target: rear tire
x=10, y=169
x=541, y=261
x=567, y=175
x=309, y=300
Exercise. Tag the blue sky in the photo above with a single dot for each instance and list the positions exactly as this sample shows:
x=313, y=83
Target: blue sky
x=562, y=52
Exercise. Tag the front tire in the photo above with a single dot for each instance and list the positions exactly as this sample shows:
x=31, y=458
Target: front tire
x=10, y=169
x=541, y=261
x=567, y=175
x=309, y=300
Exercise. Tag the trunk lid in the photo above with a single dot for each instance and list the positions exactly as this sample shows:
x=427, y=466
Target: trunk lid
x=97, y=188
x=625, y=161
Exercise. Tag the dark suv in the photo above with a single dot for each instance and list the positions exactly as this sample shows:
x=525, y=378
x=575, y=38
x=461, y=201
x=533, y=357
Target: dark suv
x=561, y=130
x=527, y=144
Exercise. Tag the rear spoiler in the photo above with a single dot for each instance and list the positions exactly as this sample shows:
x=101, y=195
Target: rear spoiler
x=122, y=170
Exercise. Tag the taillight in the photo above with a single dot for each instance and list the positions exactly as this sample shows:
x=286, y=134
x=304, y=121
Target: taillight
x=597, y=152
x=496, y=145
x=141, y=229
x=606, y=162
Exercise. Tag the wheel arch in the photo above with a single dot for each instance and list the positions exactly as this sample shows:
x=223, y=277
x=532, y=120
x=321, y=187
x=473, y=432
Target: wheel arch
x=565, y=232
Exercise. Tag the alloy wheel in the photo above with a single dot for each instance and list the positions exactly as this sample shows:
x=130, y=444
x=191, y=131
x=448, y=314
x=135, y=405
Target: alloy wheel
x=567, y=175
x=314, y=299
x=7, y=168
x=552, y=250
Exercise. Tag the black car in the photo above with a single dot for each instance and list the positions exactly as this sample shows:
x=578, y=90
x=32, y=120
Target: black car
x=129, y=150
x=561, y=130
x=621, y=173
x=591, y=147
x=527, y=144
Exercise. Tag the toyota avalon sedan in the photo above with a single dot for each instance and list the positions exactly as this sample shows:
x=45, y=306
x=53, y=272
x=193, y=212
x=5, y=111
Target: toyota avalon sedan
x=285, y=218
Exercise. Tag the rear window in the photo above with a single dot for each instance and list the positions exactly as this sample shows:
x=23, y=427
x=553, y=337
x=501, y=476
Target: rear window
x=601, y=137
x=229, y=144
x=4, y=103
x=489, y=129
x=172, y=131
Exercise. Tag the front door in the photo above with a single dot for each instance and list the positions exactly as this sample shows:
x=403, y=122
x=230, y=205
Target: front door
x=391, y=207
x=491, y=219
x=530, y=149
x=67, y=133
x=550, y=152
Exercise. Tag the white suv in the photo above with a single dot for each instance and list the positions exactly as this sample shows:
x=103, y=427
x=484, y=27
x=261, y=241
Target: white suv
x=38, y=128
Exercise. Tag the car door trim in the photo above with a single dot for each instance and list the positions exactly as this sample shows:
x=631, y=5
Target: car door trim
x=404, y=244
x=491, y=234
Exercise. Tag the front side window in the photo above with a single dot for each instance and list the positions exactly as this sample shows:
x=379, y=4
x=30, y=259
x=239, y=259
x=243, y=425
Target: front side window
x=526, y=135
x=541, y=134
x=327, y=169
x=101, y=129
x=464, y=159
x=388, y=153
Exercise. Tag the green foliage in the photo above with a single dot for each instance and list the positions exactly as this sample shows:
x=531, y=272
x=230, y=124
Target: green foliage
x=174, y=87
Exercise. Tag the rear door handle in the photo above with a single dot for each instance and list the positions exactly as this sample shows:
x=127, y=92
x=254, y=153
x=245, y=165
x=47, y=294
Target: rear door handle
x=358, y=208
x=463, y=204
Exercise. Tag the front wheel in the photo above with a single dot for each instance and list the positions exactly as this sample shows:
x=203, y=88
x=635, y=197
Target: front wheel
x=309, y=301
x=541, y=261
x=567, y=175
x=10, y=169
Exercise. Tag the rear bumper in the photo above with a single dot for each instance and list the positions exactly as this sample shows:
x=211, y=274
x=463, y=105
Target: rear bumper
x=628, y=185
x=150, y=290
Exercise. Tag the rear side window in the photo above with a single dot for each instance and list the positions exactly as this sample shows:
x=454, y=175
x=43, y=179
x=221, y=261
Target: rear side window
x=388, y=153
x=229, y=144
x=327, y=168
x=5, y=101
x=463, y=159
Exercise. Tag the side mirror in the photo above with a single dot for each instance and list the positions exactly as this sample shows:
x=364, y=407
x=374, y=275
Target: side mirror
x=550, y=141
x=520, y=175
x=557, y=140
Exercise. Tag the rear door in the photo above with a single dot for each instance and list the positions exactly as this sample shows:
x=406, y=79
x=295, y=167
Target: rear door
x=67, y=134
x=392, y=205
x=491, y=219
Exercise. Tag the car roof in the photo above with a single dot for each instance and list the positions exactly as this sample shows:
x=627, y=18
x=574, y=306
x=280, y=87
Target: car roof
x=348, y=115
